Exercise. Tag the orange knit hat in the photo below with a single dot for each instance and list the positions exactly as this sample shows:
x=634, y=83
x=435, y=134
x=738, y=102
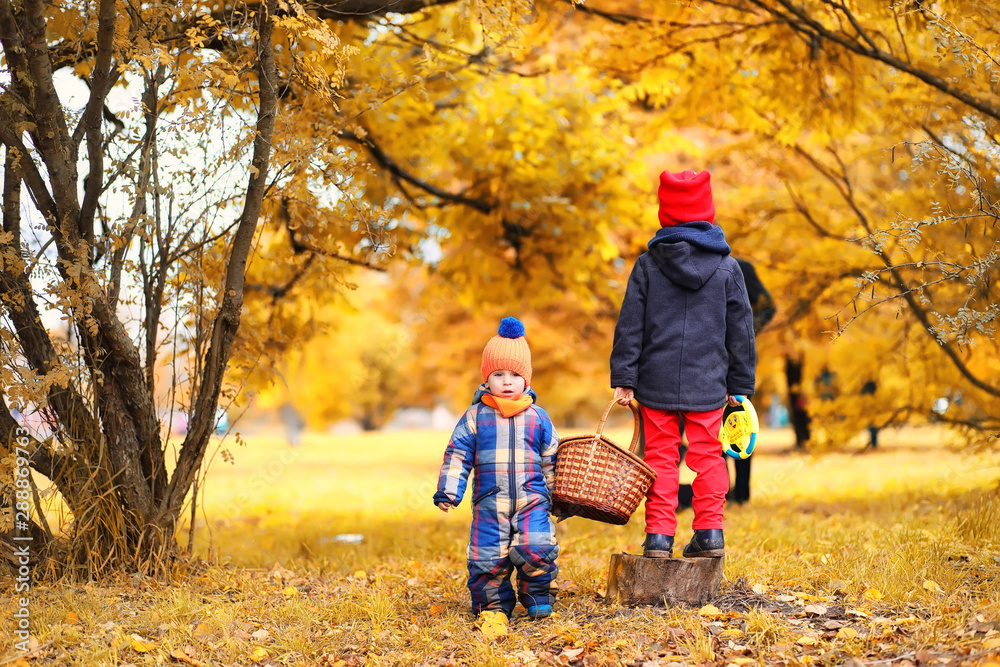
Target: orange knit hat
x=508, y=351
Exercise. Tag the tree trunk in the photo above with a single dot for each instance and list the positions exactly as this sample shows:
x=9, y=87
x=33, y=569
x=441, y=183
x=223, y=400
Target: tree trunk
x=634, y=580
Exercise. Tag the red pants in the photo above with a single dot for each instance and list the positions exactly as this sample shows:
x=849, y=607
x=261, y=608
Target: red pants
x=704, y=457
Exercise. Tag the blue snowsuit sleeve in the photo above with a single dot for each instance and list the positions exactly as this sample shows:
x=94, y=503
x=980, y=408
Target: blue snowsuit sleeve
x=459, y=456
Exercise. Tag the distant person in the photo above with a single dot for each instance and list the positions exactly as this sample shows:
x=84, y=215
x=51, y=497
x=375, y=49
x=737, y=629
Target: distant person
x=511, y=445
x=221, y=421
x=683, y=347
x=868, y=389
x=294, y=424
x=180, y=422
x=798, y=406
x=763, y=312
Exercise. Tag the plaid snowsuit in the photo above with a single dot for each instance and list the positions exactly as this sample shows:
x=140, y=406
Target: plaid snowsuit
x=514, y=459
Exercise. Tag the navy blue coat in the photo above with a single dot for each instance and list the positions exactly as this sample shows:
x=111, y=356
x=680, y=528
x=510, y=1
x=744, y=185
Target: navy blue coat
x=684, y=337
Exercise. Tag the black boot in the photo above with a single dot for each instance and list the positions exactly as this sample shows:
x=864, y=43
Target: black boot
x=658, y=546
x=706, y=543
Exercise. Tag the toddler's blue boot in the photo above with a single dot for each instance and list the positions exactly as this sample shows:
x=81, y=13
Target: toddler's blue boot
x=658, y=546
x=706, y=543
x=540, y=610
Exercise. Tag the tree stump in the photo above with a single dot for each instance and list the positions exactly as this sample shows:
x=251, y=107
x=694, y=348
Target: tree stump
x=634, y=580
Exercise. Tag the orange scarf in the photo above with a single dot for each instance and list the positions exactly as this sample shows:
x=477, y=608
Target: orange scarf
x=508, y=407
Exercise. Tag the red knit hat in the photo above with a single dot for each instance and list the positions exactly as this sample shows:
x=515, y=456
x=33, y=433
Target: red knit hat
x=685, y=197
x=508, y=351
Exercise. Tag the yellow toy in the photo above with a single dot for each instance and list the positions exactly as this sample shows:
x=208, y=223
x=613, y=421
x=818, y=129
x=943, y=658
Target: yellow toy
x=739, y=429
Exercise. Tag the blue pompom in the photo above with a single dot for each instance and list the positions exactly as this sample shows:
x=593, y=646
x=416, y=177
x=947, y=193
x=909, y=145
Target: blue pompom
x=511, y=327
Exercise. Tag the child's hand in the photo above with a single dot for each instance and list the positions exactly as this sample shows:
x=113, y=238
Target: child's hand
x=732, y=400
x=444, y=507
x=624, y=395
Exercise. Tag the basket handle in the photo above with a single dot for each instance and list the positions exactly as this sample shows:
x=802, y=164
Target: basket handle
x=635, y=425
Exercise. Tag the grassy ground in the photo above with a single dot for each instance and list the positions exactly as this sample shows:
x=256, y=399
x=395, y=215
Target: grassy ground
x=883, y=556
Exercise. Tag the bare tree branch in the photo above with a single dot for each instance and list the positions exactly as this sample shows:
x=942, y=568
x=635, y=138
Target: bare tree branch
x=228, y=319
x=395, y=169
x=842, y=184
x=799, y=19
x=100, y=84
x=363, y=9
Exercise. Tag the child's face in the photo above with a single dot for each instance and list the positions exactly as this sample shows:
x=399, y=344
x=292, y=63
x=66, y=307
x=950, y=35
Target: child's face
x=506, y=384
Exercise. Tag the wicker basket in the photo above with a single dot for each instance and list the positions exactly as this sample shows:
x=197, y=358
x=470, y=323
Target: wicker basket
x=597, y=479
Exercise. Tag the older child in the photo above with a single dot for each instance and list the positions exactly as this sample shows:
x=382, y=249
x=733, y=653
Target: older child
x=683, y=347
x=511, y=445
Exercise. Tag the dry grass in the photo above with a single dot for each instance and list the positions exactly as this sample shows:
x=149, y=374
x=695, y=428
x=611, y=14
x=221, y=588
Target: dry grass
x=901, y=546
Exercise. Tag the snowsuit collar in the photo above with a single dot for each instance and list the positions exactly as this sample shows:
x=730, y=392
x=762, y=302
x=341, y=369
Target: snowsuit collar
x=688, y=254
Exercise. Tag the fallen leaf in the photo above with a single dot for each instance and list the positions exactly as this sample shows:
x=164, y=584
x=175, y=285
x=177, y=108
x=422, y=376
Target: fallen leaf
x=202, y=631
x=362, y=575
x=847, y=633
x=932, y=586
x=525, y=657
x=261, y=635
x=759, y=589
x=259, y=654
x=991, y=643
x=71, y=618
x=436, y=609
x=815, y=609
x=710, y=611
x=838, y=584
x=833, y=625
x=141, y=644
x=281, y=574
x=807, y=640
x=493, y=624
x=290, y=592
x=181, y=656
x=572, y=653
x=785, y=598
x=873, y=594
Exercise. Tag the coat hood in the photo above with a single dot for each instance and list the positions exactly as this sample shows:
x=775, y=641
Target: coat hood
x=688, y=254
